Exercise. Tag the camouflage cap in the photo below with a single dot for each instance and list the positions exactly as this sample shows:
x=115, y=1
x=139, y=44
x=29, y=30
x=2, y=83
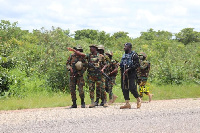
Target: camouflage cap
x=100, y=47
x=79, y=47
x=93, y=45
x=142, y=54
x=109, y=53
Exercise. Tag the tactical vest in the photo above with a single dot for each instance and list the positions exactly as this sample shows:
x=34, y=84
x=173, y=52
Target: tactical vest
x=127, y=60
x=96, y=60
x=113, y=65
x=73, y=60
x=143, y=70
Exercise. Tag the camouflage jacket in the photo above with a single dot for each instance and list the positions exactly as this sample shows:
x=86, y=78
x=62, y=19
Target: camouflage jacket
x=143, y=70
x=112, y=66
x=97, y=60
x=72, y=60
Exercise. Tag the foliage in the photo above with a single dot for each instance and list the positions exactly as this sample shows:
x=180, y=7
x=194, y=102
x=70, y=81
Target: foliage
x=153, y=35
x=32, y=62
x=188, y=35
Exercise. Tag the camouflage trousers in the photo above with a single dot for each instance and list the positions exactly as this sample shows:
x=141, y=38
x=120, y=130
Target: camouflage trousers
x=100, y=86
x=142, y=88
x=79, y=81
x=109, y=86
x=102, y=95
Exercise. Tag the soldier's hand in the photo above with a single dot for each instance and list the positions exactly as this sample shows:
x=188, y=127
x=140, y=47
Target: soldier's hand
x=123, y=77
x=70, y=49
x=71, y=70
x=126, y=71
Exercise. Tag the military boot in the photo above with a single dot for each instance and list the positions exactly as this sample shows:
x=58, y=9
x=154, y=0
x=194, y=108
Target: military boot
x=96, y=102
x=139, y=101
x=74, y=105
x=150, y=97
x=82, y=103
x=126, y=106
x=101, y=104
x=114, y=98
x=92, y=105
x=105, y=104
x=110, y=101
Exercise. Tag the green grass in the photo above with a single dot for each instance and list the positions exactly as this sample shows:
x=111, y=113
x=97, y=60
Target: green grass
x=44, y=99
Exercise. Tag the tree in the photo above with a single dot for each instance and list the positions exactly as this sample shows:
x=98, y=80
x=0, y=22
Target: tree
x=188, y=35
x=94, y=35
x=86, y=33
x=120, y=34
x=153, y=35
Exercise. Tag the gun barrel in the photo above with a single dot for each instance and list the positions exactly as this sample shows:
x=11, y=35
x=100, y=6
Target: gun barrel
x=99, y=71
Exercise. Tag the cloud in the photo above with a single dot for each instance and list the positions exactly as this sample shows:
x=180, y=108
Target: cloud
x=177, y=11
x=131, y=16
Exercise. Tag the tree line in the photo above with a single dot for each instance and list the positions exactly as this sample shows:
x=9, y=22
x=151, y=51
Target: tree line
x=32, y=62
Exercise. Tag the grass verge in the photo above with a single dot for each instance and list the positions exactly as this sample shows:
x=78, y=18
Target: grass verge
x=44, y=100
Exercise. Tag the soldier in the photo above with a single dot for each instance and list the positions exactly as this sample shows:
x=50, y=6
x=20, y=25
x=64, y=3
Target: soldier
x=129, y=63
x=142, y=74
x=101, y=51
x=112, y=73
x=95, y=70
x=76, y=64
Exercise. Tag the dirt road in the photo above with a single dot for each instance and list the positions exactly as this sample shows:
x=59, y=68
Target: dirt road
x=163, y=116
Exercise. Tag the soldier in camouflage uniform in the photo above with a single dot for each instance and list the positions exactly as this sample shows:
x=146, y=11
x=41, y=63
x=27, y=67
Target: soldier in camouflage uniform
x=112, y=73
x=76, y=64
x=101, y=51
x=142, y=74
x=96, y=65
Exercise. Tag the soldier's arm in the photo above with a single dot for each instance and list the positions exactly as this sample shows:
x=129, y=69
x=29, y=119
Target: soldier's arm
x=77, y=52
x=68, y=64
x=135, y=64
x=115, y=70
x=107, y=64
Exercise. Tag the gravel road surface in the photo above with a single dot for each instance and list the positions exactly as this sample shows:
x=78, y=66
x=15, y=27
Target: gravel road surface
x=162, y=116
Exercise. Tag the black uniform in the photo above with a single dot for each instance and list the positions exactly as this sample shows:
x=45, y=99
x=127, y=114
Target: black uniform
x=129, y=61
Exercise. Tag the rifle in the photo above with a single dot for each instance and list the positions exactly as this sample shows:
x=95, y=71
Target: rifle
x=99, y=71
x=124, y=77
x=123, y=87
x=74, y=70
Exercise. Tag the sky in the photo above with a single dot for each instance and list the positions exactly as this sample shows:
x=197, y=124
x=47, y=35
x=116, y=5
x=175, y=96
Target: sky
x=132, y=16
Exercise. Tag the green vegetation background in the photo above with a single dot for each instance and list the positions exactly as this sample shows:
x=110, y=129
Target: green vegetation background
x=33, y=72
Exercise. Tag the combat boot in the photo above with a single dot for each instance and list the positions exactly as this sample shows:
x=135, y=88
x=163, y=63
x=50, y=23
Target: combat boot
x=114, y=98
x=126, y=106
x=92, y=105
x=74, y=105
x=96, y=102
x=105, y=104
x=101, y=104
x=139, y=101
x=150, y=97
x=82, y=103
x=110, y=101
